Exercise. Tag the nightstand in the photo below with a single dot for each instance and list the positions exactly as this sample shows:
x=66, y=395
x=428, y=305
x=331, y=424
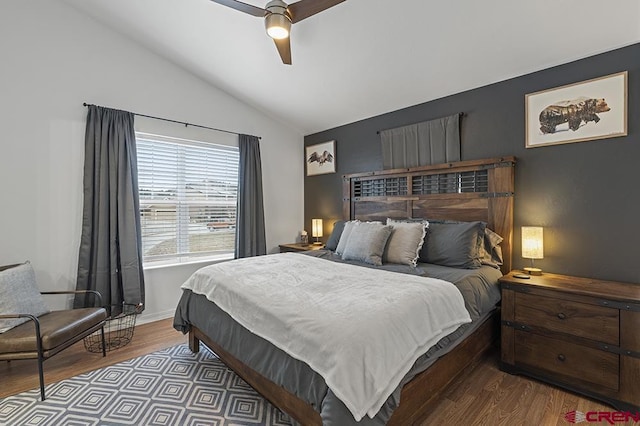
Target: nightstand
x=299, y=247
x=578, y=333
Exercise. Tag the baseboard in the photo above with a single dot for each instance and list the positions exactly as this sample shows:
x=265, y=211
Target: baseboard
x=156, y=316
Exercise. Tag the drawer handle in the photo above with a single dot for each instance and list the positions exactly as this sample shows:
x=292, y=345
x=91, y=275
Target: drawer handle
x=561, y=358
x=562, y=316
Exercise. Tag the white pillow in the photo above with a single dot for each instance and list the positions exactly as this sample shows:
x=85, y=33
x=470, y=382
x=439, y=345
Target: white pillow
x=366, y=242
x=344, y=237
x=405, y=242
x=19, y=294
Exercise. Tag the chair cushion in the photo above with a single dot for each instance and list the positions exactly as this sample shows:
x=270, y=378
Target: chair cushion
x=56, y=327
x=19, y=294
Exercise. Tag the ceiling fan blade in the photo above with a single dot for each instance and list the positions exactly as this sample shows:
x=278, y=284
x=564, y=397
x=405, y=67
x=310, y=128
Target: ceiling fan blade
x=284, y=49
x=243, y=7
x=306, y=8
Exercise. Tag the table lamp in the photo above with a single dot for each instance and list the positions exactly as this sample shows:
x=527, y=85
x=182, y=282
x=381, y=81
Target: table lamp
x=316, y=230
x=532, y=247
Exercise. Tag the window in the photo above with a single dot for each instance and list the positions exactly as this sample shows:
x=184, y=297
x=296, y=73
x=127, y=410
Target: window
x=188, y=196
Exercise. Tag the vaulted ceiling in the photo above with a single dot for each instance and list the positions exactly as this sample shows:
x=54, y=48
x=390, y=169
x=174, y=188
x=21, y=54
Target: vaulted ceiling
x=362, y=58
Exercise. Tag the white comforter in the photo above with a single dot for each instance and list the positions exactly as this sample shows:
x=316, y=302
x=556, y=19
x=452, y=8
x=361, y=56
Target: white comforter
x=361, y=329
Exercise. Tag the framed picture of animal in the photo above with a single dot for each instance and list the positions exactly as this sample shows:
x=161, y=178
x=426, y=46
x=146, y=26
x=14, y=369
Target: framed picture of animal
x=321, y=158
x=578, y=112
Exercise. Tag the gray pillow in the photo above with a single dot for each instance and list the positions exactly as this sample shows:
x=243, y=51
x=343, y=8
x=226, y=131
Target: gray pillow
x=334, y=238
x=19, y=294
x=405, y=242
x=344, y=237
x=491, y=250
x=366, y=242
x=454, y=244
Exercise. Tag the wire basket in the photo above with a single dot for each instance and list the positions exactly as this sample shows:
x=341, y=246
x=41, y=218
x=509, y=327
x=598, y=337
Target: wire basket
x=118, y=328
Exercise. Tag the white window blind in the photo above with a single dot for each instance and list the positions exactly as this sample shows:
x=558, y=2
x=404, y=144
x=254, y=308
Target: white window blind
x=188, y=194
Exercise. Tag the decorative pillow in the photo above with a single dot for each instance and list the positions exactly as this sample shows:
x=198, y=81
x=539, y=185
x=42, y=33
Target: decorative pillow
x=344, y=236
x=454, y=244
x=366, y=242
x=405, y=242
x=334, y=238
x=19, y=294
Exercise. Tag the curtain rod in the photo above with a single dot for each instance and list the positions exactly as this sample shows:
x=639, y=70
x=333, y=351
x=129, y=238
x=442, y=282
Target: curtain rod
x=177, y=122
x=461, y=114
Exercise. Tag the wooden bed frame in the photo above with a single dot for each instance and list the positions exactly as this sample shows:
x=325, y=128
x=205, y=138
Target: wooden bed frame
x=467, y=191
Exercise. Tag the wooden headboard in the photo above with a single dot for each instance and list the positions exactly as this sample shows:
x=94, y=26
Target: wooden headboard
x=466, y=191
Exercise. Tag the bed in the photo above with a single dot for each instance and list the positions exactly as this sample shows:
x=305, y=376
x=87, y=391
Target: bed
x=469, y=191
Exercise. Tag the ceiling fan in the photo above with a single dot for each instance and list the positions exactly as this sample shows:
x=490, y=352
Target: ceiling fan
x=278, y=17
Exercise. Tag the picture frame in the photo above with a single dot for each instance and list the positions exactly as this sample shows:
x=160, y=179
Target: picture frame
x=320, y=158
x=584, y=111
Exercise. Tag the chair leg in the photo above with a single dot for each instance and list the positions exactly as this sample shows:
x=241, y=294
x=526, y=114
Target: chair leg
x=104, y=346
x=36, y=324
x=41, y=375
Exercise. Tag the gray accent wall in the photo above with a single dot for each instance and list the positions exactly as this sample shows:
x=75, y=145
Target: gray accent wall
x=586, y=195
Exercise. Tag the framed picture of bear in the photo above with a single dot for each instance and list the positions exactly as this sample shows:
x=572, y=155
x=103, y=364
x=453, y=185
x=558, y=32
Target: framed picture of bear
x=584, y=111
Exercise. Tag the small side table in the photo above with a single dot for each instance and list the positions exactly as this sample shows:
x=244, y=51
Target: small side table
x=292, y=247
x=577, y=333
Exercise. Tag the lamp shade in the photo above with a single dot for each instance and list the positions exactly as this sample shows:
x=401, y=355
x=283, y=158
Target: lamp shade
x=532, y=242
x=316, y=228
x=278, y=25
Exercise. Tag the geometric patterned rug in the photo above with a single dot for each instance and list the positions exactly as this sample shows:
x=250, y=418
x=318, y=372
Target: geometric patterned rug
x=168, y=387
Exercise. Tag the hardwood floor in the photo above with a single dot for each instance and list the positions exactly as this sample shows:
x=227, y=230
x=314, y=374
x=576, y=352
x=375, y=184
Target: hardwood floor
x=483, y=396
x=488, y=396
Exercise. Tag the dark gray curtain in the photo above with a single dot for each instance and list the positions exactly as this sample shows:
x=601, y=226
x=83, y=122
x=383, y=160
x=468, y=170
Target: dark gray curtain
x=430, y=142
x=110, y=259
x=250, y=233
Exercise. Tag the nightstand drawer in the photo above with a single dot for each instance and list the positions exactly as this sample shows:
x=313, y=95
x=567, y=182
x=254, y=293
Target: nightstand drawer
x=580, y=363
x=573, y=318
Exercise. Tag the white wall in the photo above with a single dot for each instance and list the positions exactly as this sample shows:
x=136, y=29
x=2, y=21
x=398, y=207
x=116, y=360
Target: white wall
x=52, y=60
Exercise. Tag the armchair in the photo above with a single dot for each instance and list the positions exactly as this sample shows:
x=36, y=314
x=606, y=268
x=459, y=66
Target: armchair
x=41, y=337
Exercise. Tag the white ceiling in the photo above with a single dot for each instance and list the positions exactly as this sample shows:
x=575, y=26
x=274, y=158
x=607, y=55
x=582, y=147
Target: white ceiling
x=363, y=58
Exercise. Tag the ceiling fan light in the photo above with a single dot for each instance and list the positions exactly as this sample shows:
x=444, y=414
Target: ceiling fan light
x=278, y=25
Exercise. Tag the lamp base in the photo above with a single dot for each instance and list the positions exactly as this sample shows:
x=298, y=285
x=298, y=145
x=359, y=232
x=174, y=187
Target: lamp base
x=317, y=243
x=533, y=271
